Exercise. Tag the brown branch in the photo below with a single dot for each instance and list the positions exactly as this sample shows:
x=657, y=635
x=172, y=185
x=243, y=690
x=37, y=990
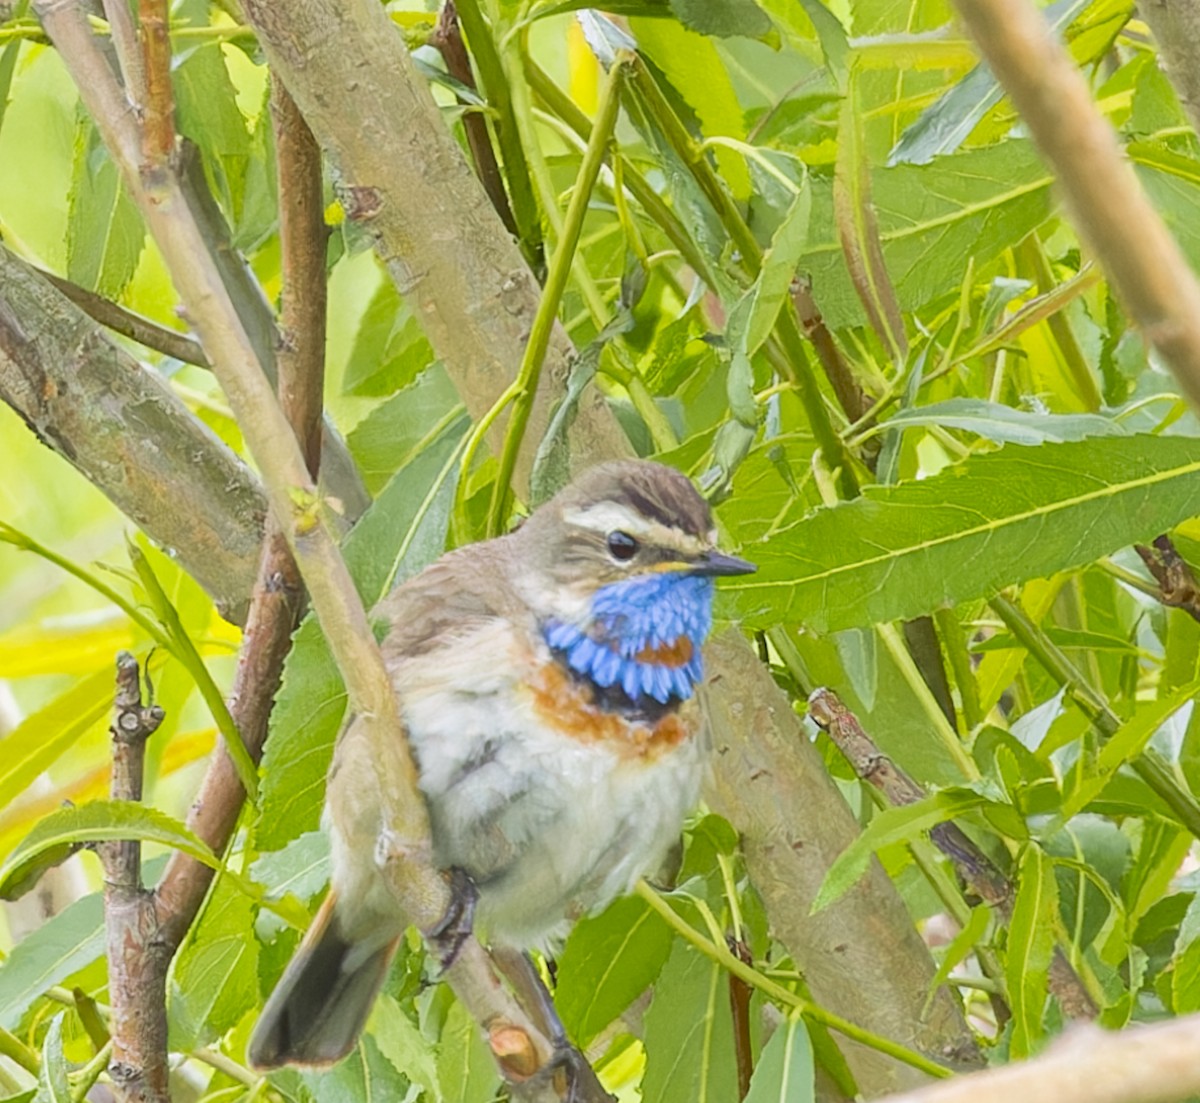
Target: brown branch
x=447, y=39
x=1104, y=198
x=1159, y=1063
x=977, y=871
x=158, y=109
x=138, y=1066
x=812, y=325
x=1173, y=575
x=739, y=1009
x=302, y=238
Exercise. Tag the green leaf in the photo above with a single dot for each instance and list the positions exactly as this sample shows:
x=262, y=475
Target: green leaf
x=403, y=532
x=1003, y=424
x=892, y=825
x=105, y=232
x=989, y=522
x=8, y=65
x=61, y=833
x=465, y=1066
x=401, y=1042
x=61, y=946
x=44, y=737
x=52, y=1086
x=300, y=868
x=366, y=1076
x=770, y=288
x=395, y=431
x=688, y=1033
x=830, y=33
x=785, y=1072
x=693, y=66
x=722, y=17
x=608, y=961
x=1082, y=787
x=1029, y=949
x=932, y=219
x=943, y=126
x=214, y=978
x=1185, y=979
x=389, y=350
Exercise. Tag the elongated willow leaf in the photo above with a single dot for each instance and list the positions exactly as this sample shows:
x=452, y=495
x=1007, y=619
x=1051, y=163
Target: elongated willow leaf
x=992, y=521
x=61, y=833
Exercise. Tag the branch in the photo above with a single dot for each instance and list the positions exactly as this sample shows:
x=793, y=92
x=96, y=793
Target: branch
x=972, y=865
x=128, y=324
x=138, y=1018
x=126, y=432
x=1103, y=195
x=1141, y=1064
x=447, y=39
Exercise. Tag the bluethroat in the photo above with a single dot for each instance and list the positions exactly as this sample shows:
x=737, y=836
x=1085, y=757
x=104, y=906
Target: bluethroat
x=548, y=683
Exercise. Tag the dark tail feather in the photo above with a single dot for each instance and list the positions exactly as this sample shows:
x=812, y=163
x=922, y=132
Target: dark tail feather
x=318, y=1009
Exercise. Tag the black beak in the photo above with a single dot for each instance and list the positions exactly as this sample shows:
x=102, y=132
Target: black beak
x=714, y=563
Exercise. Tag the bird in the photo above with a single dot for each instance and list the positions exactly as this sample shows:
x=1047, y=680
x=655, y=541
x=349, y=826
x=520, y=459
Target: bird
x=548, y=681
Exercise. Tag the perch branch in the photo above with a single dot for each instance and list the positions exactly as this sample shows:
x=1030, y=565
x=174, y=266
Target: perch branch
x=1104, y=199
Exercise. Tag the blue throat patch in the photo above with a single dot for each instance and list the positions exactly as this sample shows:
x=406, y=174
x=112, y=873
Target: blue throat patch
x=665, y=613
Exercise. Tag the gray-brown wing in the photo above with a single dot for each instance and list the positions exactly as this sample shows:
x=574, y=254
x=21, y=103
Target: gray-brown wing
x=447, y=600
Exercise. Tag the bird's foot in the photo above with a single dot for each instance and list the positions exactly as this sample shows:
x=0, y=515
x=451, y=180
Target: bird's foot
x=458, y=923
x=575, y=1081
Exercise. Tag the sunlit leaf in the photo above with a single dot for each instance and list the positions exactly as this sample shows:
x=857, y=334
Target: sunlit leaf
x=62, y=833
x=785, y=1073
x=689, y=1057
x=989, y=522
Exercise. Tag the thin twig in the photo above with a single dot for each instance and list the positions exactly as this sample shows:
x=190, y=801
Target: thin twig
x=447, y=39
x=138, y=1066
x=556, y=283
x=812, y=325
x=129, y=54
x=977, y=870
x=302, y=238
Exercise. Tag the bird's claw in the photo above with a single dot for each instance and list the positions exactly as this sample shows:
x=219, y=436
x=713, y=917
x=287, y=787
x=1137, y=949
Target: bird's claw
x=458, y=922
x=574, y=1079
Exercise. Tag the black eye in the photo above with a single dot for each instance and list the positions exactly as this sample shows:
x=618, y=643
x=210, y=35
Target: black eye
x=622, y=546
